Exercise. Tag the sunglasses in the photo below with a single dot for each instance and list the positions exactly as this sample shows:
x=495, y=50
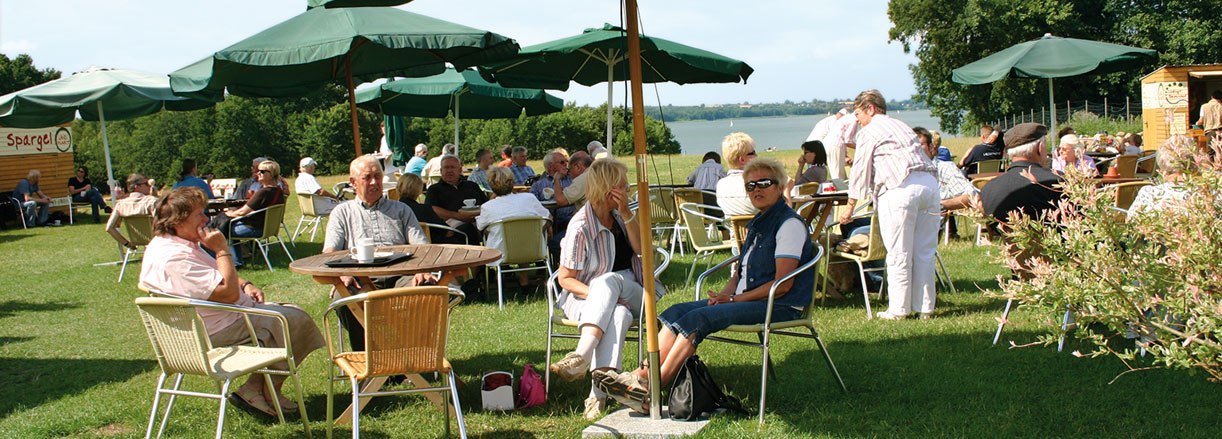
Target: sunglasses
x=265, y=171
x=751, y=153
x=763, y=183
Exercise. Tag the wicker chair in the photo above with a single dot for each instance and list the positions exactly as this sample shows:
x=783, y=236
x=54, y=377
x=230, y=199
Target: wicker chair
x=139, y=233
x=406, y=331
x=525, y=241
x=701, y=227
x=764, y=330
x=180, y=342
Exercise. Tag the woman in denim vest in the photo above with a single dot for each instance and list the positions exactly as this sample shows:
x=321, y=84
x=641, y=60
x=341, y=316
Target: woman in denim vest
x=777, y=243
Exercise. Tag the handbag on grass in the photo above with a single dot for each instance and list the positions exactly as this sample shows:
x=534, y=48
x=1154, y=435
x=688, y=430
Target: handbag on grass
x=694, y=393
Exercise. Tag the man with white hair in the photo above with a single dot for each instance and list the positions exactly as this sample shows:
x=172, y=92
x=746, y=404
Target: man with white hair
x=1027, y=186
x=417, y=162
x=35, y=203
x=433, y=167
x=597, y=150
x=308, y=184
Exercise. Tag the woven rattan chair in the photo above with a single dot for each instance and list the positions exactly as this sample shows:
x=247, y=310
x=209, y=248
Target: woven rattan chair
x=182, y=347
x=684, y=196
x=310, y=218
x=273, y=220
x=764, y=330
x=875, y=252
x=1126, y=165
x=139, y=232
x=556, y=318
x=405, y=333
x=702, y=228
x=738, y=229
x=525, y=241
x=1127, y=192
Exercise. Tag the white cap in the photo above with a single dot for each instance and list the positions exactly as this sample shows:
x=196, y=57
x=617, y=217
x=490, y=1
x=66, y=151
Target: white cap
x=307, y=162
x=594, y=146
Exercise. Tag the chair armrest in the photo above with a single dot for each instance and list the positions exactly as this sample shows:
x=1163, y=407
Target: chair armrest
x=692, y=209
x=711, y=270
x=772, y=290
x=228, y=307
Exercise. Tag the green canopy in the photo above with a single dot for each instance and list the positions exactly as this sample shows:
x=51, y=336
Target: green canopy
x=352, y=3
x=327, y=45
x=600, y=55
x=464, y=93
x=98, y=94
x=395, y=135
x=1053, y=57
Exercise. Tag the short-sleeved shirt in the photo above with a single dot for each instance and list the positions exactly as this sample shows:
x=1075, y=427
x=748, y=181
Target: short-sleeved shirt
x=1211, y=115
x=193, y=181
x=450, y=197
x=521, y=173
x=1013, y=192
x=813, y=174
x=180, y=267
x=415, y=165
x=1085, y=163
x=732, y=195
x=25, y=188
x=480, y=177
x=979, y=153
x=507, y=206
x=576, y=192
x=706, y=176
x=563, y=214
x=589, y=249
x=135, y=204
x=951, y=182
x=77, y=184
x=307, y=184
x=263, y=198
x=789, y=240
x=386, y=222
x=432, y=168
x=1154, y=198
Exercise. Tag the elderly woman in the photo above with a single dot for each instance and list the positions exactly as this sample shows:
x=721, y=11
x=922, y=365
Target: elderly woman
x=269, y=194
x=600, y=272
x=777, y=243
x=410, y=187
x=506, y=205
x=175, y=263
x=1175, y=159
x=1071, y=154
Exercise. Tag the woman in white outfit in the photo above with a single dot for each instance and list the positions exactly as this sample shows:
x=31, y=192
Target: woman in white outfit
x=600, y=272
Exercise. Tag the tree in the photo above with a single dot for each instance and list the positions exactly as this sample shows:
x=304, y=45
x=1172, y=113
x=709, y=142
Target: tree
x=947, y=34
x=19, y=73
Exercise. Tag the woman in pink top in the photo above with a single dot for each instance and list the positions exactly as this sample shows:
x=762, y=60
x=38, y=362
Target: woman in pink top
x=175, y=262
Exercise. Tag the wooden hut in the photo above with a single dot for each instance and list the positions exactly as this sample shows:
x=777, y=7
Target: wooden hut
x=49, y=150
x=1171, y=99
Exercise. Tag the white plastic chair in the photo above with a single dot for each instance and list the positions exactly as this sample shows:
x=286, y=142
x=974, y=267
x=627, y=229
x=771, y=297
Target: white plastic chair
x=525, y=244
x=273, y=221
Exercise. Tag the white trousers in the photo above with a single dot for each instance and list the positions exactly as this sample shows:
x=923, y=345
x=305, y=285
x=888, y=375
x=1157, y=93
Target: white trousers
x=908, y=218
x=602, y=308
x=835, y=160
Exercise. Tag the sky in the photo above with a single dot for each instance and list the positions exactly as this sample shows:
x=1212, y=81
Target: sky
x=800, y=49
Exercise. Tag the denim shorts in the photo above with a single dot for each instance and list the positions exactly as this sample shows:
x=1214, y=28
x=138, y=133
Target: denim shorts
x=697, y=319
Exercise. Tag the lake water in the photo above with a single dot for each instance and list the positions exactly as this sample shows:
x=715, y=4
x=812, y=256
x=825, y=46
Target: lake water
x=700, y=136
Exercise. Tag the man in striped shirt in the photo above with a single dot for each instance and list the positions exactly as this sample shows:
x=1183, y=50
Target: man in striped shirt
x=890, y=166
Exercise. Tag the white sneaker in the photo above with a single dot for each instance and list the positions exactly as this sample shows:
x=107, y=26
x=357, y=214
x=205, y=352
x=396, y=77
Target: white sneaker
x=571, y=367
x=594, y=408
x=887, y=315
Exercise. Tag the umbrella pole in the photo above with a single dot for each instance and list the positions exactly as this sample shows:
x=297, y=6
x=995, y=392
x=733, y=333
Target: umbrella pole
x=1052, y=107
x=610, y=97
x=356, y=128
x=457, y=101
x=110, y=172
x=642, y=213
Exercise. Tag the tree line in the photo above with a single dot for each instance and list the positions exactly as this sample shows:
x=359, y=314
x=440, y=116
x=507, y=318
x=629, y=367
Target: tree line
x=675, y=113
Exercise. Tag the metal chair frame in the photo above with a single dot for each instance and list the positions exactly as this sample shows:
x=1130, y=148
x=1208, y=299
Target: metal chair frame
x=273, y=222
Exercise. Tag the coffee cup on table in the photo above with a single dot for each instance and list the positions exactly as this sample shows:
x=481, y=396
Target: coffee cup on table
x=548, y=193
x=468, y=203
x=363, y=250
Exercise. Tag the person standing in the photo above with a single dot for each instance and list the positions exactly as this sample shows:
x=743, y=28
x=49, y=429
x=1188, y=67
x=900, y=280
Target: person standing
x=82, y=191
x=1211, y=115
x=890, y=167
x=840, y=137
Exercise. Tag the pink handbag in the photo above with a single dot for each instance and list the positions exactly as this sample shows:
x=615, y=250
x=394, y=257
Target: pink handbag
x=530, y=389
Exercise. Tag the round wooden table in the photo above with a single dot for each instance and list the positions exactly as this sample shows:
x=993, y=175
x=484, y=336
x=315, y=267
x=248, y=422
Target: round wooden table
x=426, y=258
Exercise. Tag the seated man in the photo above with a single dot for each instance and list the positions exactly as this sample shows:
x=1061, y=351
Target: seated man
x=308, y=184
x=479, y=175
x=416, y=164
x=597, y=150
x=991, y=147
x=82, y=191
x=138, y=202
x=371, y=216
x=410, y=187
x=1027, y=187
x=243, y=190
x=557, y=178
x=433, y=167
x=706, y=176
x=448, y=198
x=955, y=190
x=34, y=203
x=522, y=173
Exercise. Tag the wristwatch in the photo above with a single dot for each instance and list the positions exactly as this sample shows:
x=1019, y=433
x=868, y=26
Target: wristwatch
x=731, y=298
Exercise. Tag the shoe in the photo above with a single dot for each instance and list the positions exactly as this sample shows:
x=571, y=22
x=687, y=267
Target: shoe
x=594, y=408
x=926, y=315
x=624, y=388
x=253, y=402
x=109, y=209
x=571, y=367
x=887, y=315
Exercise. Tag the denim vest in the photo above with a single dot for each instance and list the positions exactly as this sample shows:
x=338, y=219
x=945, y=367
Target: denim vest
x=761, y=268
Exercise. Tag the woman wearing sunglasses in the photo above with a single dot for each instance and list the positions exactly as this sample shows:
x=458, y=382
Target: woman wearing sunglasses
x=269, y=194
x=777, y=243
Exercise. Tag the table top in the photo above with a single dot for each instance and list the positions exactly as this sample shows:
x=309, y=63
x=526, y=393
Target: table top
x=823, y=196
x=224, y=202
x=425, y=258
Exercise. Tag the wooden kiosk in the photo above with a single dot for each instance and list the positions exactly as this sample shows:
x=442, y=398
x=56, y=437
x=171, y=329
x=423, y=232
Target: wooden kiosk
x=48, y=150
x=1171, y=99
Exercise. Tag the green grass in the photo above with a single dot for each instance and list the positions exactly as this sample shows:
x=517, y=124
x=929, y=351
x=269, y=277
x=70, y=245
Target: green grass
x=74, y=361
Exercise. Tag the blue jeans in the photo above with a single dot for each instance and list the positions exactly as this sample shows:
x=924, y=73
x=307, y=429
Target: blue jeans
x=697, y=319
x=94, y=198
x=241, y=230
x=35, y=210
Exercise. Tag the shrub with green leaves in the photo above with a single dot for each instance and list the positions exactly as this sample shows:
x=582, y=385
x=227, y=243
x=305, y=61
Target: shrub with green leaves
x=1151, y=282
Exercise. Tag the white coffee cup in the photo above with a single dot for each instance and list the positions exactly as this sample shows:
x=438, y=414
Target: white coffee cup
x=470, y=202
x=363, y=250
x=548, y=193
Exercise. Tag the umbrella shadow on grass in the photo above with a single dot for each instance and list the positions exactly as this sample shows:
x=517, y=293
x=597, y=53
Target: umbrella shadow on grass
x=43, y=380
x=10, y=308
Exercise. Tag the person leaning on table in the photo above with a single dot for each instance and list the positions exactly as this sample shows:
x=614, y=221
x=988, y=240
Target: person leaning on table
x=600, y=272
x=777, y=244
x=175, y=262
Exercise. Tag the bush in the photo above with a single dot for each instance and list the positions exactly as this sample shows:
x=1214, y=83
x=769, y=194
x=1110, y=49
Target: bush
x=1087, y=124
x=1154, y=278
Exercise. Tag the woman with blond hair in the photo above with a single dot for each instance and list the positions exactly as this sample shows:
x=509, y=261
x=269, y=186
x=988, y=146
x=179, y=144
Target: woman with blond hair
x=269, y=194
x=600, y=273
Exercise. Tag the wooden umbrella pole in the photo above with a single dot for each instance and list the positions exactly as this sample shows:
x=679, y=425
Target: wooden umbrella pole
x=642, y=212
x=356, y=127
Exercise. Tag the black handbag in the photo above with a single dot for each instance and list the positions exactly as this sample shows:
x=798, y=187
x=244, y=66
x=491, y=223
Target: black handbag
x=694, y=393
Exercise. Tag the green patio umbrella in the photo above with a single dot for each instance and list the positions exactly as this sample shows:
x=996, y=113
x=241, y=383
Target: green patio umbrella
x=464, y=93
x=98, y=94
x=600, y=55
x=1052, y=57
x=326, y=45
x=396, y=139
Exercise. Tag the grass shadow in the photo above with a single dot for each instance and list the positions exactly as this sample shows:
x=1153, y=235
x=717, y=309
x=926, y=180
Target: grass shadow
x=11, y=237
x=10, y=308
x=43, y=380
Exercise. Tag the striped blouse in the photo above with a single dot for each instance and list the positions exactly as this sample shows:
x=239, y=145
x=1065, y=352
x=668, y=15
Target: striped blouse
x=887, y=152
x=589, y=248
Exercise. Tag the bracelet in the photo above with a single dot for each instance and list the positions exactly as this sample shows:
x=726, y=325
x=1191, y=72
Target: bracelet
x=242, y=286
x=219, y=254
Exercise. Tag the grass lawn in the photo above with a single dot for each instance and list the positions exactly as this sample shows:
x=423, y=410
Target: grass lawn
x=74, y=361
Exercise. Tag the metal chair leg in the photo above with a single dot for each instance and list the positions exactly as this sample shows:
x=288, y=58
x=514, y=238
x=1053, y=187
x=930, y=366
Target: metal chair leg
x=828, y=357
x=220, y=419
x=1005, y=315
x=865, y=290
x=462, y=426
x=148, y=432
